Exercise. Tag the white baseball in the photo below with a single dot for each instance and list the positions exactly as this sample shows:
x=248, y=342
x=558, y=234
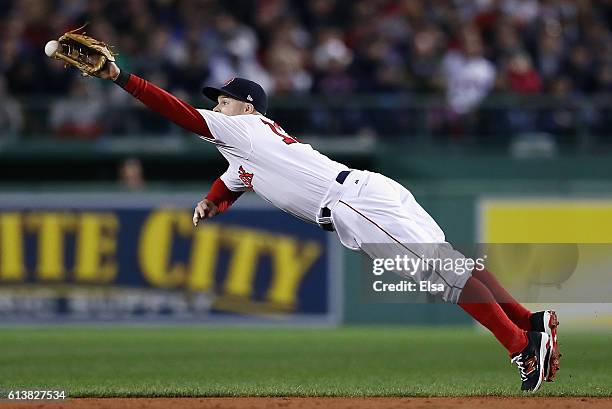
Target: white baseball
x=51, y=47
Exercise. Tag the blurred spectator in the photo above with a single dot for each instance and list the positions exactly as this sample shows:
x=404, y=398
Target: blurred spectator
x=507, y=41
x=468, y=78
x=237, y=54
x=521, y=76
x=286, y=59
x=468, y=75
x=331, y=59
x=131, y=175
x=11, y=117
x=561, y=119
x=604, y=78
x=425, y=57
x=549, y=55
x=79, y=114
x=317, y=14
x=580, y=68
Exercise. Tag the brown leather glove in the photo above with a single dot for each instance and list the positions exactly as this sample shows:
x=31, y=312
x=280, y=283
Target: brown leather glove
x=85, y=53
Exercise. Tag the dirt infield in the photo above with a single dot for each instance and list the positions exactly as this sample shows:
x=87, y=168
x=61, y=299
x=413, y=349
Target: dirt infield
x=318, y=403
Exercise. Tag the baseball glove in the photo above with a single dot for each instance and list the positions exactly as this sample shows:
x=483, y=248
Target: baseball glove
x=83, y=52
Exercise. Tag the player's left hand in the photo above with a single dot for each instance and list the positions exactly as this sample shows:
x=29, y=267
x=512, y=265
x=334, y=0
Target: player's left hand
x=110, y=71
x=204, y=210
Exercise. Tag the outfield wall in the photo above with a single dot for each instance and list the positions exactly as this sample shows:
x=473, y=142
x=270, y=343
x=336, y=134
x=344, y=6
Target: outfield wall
x=452, y=188
x=136, y=257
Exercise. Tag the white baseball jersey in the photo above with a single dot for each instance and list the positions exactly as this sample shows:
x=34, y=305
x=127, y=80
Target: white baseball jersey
x=370, y=212
x=469, y=80
x=263, y=157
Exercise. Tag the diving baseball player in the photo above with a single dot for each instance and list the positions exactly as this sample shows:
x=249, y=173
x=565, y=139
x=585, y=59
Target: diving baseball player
x=368, y=211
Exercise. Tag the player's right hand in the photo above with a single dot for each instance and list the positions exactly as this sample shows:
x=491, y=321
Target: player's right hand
x=204, y=210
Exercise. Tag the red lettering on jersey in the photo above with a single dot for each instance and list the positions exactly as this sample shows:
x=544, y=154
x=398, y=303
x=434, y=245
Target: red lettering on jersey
x=274, y=127
x=246, y=177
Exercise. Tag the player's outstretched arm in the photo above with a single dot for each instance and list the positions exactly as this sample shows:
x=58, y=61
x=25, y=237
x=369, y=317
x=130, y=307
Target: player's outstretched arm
x=218, y=200
x=158, y=100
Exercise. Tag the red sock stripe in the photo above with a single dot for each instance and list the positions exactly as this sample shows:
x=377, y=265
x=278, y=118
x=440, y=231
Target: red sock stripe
x=513, y=309
x=487, y=312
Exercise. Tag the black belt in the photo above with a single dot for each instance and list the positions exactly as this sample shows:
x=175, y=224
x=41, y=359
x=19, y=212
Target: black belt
x=325, y=212
x=342, y=176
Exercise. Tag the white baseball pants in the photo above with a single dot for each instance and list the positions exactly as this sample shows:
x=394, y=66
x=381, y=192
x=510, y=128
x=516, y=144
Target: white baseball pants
x=375, y=214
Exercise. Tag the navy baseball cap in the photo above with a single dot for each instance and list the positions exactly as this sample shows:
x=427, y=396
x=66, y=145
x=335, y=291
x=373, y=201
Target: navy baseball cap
x=242, y=90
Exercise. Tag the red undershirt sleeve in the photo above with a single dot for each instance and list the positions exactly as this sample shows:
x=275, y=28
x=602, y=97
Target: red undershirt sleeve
x=220, y=195
x=164, y=103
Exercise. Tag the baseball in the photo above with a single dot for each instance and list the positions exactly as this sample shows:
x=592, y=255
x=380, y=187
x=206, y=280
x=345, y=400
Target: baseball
x=51, y=47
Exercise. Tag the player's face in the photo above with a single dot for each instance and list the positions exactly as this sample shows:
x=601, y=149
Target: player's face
x=230, y=106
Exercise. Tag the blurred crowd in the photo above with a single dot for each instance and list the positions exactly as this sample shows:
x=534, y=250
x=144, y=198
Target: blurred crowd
x=462, y=52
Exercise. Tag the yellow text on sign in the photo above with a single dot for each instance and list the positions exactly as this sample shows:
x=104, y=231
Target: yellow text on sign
x=95, y=245
x=291, y=258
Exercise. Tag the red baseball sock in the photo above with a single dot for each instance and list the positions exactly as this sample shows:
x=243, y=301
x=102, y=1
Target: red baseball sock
x=478, y=301
x=513, y=309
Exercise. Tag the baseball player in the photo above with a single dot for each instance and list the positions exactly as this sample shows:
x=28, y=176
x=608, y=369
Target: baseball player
x=368, y=211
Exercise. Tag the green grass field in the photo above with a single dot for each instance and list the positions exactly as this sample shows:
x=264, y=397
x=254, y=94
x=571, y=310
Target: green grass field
x=209, y=361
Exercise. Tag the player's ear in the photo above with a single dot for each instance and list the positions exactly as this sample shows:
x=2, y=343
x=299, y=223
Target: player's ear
x=248, y=108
